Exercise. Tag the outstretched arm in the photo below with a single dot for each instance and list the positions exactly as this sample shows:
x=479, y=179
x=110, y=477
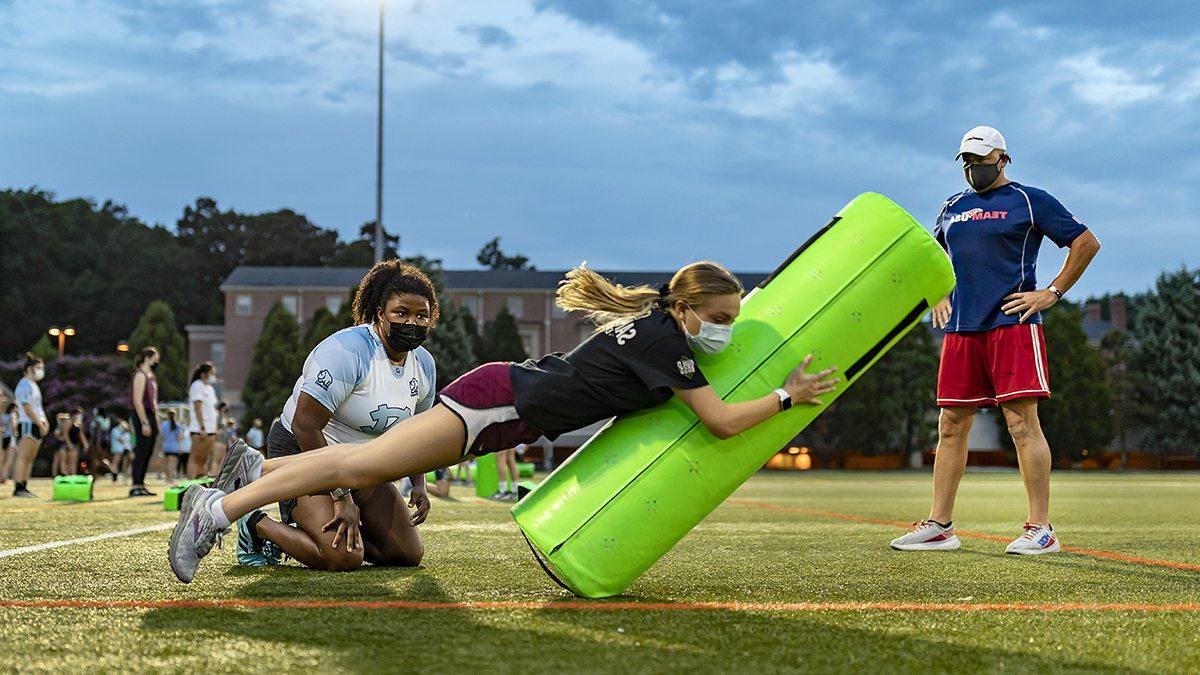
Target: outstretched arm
x=725, y=420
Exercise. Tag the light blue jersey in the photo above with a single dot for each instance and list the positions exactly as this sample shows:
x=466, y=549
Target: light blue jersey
x=350, y=374
x=28, y=393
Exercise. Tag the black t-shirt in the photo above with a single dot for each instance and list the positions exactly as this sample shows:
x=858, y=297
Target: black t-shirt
x=625, y=369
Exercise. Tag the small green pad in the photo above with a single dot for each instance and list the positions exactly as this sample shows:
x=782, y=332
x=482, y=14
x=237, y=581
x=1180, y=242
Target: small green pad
x=73, y=488
x=175, y=492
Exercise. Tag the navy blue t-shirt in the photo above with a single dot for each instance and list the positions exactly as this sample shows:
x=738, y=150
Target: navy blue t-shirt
x=993, y=240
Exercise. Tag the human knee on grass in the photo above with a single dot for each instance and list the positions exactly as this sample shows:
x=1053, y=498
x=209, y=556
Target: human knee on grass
x=309, y=542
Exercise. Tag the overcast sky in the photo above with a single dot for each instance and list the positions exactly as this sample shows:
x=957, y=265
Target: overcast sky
x=628, y=134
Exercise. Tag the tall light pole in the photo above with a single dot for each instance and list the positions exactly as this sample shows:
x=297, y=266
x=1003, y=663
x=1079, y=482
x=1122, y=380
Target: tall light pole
x=379, y=149
x=62, y=334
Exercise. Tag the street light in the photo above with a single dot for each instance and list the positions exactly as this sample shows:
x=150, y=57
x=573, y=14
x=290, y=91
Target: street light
x=62, y=334
x=379, y=149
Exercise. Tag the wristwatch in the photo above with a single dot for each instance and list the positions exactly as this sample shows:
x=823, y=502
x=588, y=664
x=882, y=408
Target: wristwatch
x=339, y=493
x=785, y=399
x=1054, y=289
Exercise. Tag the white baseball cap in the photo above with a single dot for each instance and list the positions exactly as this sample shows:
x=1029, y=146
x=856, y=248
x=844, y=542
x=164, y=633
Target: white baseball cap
x=980, y=141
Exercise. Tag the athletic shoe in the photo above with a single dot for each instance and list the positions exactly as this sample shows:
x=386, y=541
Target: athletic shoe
x=253, y=551
x=510, y=496
x=141, y=492
x=927, y=536
x=23, y=493
x=240, y=467
x=195, y=533
x=498, y=496
x=1036, y=539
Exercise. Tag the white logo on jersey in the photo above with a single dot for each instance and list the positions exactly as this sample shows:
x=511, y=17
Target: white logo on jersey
x=686, y=366
x=965, y=215
x=624, y=333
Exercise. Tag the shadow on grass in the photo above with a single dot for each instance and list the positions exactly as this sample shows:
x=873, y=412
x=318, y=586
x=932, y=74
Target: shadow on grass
x=552, y=639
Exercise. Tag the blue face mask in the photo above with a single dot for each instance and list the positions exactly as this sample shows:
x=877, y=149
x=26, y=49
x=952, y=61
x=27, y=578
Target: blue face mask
x=712, y=338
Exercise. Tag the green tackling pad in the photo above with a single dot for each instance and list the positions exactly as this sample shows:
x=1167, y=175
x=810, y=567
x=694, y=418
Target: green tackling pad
x=645, y=480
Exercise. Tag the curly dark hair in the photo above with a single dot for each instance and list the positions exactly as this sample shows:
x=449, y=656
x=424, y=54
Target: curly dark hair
x=389, y=278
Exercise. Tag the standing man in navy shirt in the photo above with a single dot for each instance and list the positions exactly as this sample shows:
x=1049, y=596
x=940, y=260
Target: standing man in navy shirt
x=995, y=352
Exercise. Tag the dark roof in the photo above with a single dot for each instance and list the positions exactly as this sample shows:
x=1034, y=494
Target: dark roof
x=346, y=277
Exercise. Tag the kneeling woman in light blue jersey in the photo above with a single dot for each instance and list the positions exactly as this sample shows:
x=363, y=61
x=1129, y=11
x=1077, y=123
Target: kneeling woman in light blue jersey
x=356, y=384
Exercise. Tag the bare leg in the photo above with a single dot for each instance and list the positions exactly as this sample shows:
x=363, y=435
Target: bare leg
x=954, y=424
x=198, y=458
x=308, y=542
x=510, y=458
x=389, y=538
x=502, y=470
x=1033, y=455
x=440, y=488
x=421, y=443
x=27, y=449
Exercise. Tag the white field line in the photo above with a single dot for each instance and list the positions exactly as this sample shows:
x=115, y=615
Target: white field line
x=85, y=540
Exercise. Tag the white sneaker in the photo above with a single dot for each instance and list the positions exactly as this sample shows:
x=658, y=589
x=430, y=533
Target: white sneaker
x=1036, y=540
x=241, y=466
x=195, y=533
x=927, y=536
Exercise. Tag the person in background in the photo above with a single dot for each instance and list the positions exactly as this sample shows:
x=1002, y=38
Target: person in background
x=8, y=435
x=98, y=437
x=32, y=425
x=185, y=452
x=462, y=473
x=254, y=437
x=119, y=445
x=79, y=448
x=171, y=433
x=221, y=441
x=58, y=462
x=506, y=469
x=202, y=397
x=145, y=421
x=441, y=484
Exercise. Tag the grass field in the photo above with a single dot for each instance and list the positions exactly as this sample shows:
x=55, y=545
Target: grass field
x=792, y=573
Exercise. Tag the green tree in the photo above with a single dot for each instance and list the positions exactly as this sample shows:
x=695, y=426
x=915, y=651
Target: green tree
x=452, y=343
x=44, y=349
x=891, y=407
x=1124, y=385
x=92, y=267
x=1077, y=420
x=157, y=329
x=224, y=240
x=491, y=257
x=324, y=323
x=1168, y=359
x=361, y=252
x=274, y=366
x=501, y=339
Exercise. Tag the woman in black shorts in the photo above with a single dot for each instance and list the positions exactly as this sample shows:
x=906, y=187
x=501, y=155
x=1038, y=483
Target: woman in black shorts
x=640, y=356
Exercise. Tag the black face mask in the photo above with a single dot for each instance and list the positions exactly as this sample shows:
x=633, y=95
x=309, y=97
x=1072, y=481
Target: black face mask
x=980, y=176
x=406, y=337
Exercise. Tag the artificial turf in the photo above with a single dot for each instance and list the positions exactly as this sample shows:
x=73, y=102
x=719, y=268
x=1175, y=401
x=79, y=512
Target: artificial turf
x=782, y=538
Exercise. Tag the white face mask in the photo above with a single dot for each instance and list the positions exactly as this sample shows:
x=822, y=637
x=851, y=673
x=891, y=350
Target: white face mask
x=712, y=337
x=38, y=374
x=212, y=379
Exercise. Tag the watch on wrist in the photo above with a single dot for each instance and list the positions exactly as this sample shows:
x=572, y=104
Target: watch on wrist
x=1054, y=289
x=339, y=493
x=785, y=399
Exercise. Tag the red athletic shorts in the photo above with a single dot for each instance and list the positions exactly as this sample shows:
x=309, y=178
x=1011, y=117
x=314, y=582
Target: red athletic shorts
x=483, y=399
x=990, y=367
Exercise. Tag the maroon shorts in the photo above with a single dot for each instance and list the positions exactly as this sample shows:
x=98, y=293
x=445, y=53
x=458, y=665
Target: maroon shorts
x=990, y=367
x=483, y=399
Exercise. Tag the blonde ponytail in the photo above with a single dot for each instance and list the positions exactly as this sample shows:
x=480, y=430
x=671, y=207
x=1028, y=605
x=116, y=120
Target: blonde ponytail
x=605, y=303
x=602, y=301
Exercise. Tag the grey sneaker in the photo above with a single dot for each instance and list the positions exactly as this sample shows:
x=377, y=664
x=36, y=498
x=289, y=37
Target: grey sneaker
x=242, y=465
x=195, y=533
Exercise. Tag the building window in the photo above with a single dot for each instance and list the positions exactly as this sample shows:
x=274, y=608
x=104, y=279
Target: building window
x=291, y=303
x=333, y=303
x=244, y=305
x=515, y=305
x=216, y=354
x=530, y=340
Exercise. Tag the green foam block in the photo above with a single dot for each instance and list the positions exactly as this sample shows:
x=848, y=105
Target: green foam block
x=174, y=493
x=644, y=481
x=73, y=488
x=525, y=469
x=487, y=478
